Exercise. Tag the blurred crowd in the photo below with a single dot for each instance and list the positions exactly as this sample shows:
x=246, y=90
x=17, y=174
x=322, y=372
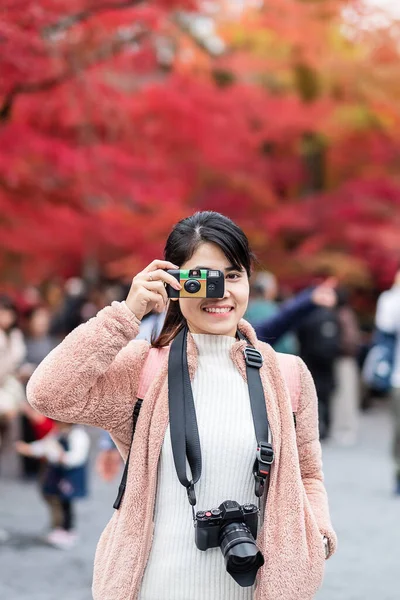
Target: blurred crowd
x=31, y=325
x=318, y=324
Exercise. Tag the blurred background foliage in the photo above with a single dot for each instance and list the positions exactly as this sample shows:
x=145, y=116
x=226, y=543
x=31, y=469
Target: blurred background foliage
x=117, y=118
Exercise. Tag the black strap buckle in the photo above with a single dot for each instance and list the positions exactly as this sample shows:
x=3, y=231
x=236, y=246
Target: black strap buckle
x=253, y=357
x=265, y=453
x=262, y=467
x=261, y=477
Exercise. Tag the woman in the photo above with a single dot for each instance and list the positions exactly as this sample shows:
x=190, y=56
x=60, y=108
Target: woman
x=12, y=352
x=147, y=550
x=39, y=342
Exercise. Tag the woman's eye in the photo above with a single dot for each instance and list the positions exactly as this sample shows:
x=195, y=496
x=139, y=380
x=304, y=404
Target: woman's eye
x=233, y=276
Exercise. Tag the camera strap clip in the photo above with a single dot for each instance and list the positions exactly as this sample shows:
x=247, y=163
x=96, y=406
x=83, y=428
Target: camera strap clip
x=191, y=494
x=253, y=357
x=262, y=467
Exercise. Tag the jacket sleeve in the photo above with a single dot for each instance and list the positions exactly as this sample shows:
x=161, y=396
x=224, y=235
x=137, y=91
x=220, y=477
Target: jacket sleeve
x=93, y=375
x=287, y=319
x=310, y=455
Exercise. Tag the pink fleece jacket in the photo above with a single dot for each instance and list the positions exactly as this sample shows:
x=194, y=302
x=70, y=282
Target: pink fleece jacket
x=92, y=377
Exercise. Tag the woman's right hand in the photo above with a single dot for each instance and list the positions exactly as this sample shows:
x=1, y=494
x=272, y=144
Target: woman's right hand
x=148, y=291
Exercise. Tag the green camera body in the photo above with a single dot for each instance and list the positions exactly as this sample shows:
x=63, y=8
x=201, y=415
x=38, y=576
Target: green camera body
x=197, y=283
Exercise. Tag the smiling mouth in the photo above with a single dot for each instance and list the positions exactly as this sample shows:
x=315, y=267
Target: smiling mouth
x=218, y=311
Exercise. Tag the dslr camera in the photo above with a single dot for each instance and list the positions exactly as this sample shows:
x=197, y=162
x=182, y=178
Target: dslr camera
x=233, y=528
x=197, y=283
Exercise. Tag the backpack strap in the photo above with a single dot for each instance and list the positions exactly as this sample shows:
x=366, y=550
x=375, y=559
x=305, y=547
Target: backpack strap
x=149, y=371
x=289, y=366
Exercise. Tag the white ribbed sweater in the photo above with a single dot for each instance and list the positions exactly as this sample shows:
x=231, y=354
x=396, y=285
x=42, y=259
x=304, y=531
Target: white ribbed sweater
x=176, y=569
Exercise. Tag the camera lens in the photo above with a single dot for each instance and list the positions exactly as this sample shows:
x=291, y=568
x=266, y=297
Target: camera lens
x=241, y=555
x=192, y=286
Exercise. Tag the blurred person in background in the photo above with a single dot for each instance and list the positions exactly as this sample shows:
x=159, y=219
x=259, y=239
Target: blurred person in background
x=80, y=301
x=263, y=306
x=388, y=320
x=12, y=353
x=346, y=396
x=319, y=339
x=292, y=312
x=68, y=313
x=66, y=452
x=39, y=343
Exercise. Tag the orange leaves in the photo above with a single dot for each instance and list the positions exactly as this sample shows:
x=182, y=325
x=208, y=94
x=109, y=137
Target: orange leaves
x=117, y=120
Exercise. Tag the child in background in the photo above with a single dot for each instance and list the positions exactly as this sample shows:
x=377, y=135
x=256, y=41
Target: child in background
x=66, y=451
x=39, y=342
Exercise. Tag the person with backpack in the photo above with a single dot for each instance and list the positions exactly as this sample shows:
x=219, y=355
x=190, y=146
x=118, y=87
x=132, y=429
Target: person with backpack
x=216, y=419
x=275, y=323
x=263, y=306
x=319, y=339
x=387, y=321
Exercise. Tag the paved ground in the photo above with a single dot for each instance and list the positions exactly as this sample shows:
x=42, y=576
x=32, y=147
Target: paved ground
x=365, y=513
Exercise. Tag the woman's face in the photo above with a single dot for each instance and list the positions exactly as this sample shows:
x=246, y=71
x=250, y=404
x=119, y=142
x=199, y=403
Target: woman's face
x=7, y=318
x=40, y=322
x=198, y=312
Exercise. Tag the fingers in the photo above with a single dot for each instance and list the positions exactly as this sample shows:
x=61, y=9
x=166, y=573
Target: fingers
x=159, y=274
x=159, y=288
x=148, y=288
x=159, y=264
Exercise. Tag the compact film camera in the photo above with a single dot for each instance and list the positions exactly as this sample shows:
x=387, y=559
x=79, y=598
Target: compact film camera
x=197, y=283
x=233, y=528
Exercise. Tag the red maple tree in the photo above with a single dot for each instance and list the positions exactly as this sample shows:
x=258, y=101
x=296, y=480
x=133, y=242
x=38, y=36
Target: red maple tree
x=118, y=118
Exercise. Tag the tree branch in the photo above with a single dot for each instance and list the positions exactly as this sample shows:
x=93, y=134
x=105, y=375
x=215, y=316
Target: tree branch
x=97, y=57
x=71, y=20
x=210, y=43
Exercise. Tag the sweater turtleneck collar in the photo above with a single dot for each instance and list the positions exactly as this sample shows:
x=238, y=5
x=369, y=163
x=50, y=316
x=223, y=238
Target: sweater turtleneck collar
x=213, y=345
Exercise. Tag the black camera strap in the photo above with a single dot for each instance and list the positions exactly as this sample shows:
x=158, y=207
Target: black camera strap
x=183, y=423
x=182, y=415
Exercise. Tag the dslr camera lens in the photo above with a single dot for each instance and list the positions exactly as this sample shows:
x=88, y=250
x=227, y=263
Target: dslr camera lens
x=241, y=555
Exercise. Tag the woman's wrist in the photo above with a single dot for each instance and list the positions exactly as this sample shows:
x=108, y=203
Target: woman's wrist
x=138, y=321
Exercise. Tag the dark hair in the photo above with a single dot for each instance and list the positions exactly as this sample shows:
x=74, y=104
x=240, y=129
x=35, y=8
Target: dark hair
x=182, y=243
x=8, y=304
